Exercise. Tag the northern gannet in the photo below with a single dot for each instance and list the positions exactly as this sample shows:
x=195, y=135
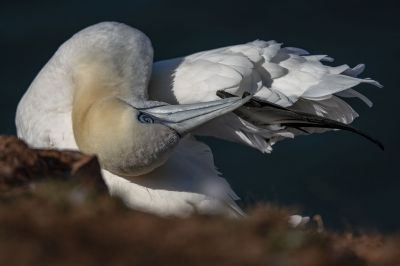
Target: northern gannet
x=101, y=94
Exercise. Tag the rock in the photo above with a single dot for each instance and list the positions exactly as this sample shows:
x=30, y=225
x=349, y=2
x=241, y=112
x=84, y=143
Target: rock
x=20, y=165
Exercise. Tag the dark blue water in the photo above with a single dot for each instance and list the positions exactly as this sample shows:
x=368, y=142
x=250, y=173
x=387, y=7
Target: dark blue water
x=338, y=175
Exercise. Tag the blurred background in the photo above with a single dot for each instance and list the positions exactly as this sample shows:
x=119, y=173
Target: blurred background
x=338, y=175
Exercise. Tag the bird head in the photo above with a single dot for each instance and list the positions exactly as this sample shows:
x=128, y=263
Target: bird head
x=132, y=140
x=112, y=116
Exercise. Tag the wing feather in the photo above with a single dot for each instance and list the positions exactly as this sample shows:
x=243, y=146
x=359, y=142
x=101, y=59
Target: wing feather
x=287, y=76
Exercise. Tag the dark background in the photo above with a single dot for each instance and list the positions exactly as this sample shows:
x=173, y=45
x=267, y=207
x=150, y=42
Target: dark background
x=347, y=180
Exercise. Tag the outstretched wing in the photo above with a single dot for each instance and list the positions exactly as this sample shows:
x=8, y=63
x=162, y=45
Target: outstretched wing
x=287, y=77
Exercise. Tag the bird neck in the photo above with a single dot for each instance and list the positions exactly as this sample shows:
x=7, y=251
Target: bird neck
x=101, y=120
x=106, y=125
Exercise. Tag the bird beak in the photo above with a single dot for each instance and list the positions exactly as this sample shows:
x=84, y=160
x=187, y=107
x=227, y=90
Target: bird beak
x=186, y=117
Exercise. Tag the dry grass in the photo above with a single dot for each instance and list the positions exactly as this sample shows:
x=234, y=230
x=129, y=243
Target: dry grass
x=68, y=221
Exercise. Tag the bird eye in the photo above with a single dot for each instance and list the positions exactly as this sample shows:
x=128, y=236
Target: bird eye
x=144, y=118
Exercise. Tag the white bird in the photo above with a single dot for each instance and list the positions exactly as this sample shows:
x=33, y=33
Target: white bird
x=101, y=94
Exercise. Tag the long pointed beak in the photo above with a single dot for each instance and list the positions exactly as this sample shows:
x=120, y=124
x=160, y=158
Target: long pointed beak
x=185, y=118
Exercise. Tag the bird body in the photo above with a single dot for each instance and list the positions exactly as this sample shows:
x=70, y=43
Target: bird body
x=101, y=94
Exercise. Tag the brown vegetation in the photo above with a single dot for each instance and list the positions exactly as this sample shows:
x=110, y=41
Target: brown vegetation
x=54, y=211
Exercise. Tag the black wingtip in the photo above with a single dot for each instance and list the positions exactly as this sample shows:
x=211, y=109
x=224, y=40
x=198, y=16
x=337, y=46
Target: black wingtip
x=327, y=123
x=245, y=94
x=223, y=94
x=373, y=140
x=308, y=120
x=380, y=144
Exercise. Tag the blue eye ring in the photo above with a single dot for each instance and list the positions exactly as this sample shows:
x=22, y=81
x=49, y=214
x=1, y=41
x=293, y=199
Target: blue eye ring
x=145, y=118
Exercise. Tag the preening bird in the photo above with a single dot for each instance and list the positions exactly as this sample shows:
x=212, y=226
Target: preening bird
x=101, y=94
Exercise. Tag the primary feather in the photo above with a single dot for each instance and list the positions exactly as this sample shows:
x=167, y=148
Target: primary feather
x=288, y=77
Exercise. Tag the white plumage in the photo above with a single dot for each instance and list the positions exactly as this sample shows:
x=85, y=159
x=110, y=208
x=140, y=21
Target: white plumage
x=116, y=60
x=286, y=76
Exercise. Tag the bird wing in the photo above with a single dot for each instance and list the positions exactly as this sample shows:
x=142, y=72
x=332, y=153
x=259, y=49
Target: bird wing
x=187, y=183
x=285, y=76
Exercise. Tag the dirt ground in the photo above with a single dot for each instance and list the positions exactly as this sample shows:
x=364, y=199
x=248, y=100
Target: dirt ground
x=54, y=210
